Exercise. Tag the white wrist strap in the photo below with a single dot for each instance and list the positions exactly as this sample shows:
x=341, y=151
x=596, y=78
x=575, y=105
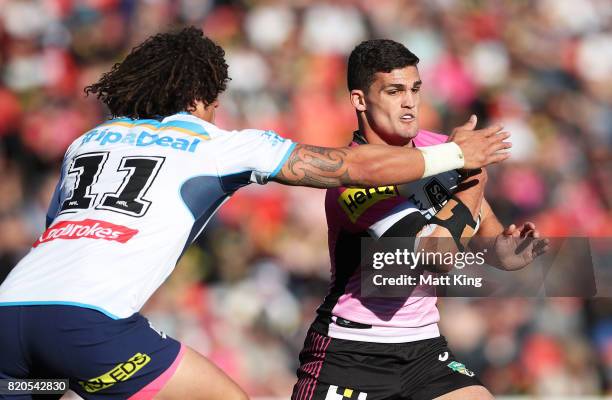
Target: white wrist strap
x=442, y=158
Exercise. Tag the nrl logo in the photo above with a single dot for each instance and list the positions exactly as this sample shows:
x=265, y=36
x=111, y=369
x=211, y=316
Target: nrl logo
x=458, y=367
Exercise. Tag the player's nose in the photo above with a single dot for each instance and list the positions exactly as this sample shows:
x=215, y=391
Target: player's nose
x=408, y=101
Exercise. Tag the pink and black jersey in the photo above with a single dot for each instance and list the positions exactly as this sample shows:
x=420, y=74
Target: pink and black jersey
x=355, y=213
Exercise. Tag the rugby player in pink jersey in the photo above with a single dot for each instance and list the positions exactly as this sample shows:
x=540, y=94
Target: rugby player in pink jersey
x=134, y=193
x=375, y=348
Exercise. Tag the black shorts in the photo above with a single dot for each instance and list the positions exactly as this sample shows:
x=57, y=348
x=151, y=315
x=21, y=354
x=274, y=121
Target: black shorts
x=337, y=369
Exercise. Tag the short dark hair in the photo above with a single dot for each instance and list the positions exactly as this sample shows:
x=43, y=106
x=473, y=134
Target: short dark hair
x=377, y=55
x=164, y=75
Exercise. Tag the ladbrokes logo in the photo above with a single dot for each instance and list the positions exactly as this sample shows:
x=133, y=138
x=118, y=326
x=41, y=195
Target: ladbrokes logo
x=88, y=228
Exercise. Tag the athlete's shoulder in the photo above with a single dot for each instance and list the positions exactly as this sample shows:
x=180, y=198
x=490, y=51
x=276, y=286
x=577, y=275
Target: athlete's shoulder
x=355, y=209
x=256, y=135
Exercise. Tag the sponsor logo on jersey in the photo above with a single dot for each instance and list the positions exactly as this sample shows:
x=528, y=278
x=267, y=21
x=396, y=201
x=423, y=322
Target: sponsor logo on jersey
x=458, y=367
x=355, y=202
x=436, y=193
x=88, y=228
x=272, y=137
x=143, y=139
x=122, y=372
x=430, y=195
x=339, y=393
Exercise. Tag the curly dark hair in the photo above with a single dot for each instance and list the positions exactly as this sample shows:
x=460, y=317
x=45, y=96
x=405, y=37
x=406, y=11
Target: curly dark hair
x=165, y=74
x=377, y=55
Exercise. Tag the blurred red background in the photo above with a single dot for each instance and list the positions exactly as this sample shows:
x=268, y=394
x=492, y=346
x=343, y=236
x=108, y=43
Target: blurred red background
x=246, y=292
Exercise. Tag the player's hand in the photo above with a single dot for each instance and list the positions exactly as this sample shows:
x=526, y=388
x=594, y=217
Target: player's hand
x=517, y=246
x=481, y=147
x=470, y=178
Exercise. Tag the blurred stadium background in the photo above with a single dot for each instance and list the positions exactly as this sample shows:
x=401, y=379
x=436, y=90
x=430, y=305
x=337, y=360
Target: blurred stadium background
x=245, y=294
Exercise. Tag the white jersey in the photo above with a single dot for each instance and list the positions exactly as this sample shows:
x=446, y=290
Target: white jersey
x=132, y=196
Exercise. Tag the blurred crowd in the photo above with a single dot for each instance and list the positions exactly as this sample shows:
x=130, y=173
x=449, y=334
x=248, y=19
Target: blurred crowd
x=246, y=292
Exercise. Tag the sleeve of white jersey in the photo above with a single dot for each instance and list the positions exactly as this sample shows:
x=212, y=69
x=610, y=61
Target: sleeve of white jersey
x=258, y=155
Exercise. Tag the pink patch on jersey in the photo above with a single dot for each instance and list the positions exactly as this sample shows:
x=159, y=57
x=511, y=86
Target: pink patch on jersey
x=426, y=138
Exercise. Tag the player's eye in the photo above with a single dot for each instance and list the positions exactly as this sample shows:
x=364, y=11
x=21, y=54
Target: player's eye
x=392, y=92
x=416, y=90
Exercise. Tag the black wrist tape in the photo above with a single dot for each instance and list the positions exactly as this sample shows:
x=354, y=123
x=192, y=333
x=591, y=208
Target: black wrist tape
x=458, y=220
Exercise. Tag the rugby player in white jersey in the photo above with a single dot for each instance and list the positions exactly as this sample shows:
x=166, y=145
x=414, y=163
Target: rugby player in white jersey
x=134, y=192
x=362, y=347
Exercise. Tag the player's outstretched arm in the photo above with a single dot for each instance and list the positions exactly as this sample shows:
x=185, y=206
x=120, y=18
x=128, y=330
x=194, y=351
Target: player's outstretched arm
x=380, y=165
x=510, y=248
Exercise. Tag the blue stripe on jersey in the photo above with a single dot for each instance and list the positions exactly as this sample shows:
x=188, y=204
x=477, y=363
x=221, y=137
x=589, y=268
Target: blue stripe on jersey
x=58, y=303
x=282, y=162
x=200, y=223
x=235, y=181
x=202, y=195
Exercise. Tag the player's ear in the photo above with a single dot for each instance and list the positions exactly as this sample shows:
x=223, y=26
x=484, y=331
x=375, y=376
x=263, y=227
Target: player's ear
x=358, y=99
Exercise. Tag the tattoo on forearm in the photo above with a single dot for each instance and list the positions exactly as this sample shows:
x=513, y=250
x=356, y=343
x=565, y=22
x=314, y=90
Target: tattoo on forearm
x=314, y=166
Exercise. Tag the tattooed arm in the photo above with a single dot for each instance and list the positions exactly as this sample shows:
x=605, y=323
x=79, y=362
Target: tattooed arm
x=360, y=166
x=379, y=165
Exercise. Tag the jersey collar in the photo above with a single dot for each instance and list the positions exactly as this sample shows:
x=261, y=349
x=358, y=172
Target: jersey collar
x=359, y=138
